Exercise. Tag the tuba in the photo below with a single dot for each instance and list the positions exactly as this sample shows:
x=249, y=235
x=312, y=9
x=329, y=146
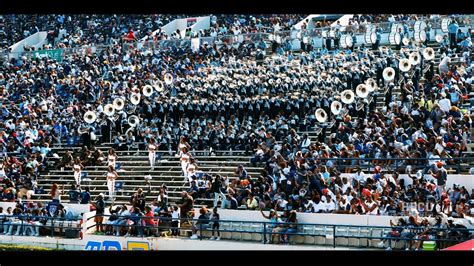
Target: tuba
x=321, y=115
x=388, y=74
x=414, y=58
x=428, y=54
x=159, y=86
x=371, y=84
x=147, y=90
x=404, y=65
x=336, y=107
x=133, y=121
x=168, y=78
x=119, y=103
x=362, y=91
x=109, y=109
x=135, y=98
x=347, y=97
x=90, y=117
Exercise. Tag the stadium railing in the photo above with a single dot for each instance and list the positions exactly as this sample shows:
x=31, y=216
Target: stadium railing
x=264, y=230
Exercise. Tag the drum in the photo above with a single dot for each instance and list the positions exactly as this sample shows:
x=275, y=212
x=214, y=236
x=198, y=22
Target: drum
x=394, y=38
x=396, y=27
x=420, y=25
x=373, y=37
x=420, y=36
x=346, y=41
x=445, y=24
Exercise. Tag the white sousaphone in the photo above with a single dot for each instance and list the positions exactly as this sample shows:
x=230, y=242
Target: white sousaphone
x=347, y=96
x=168, y=78
x=321, y=115
x=119, y=103
x=109, y=109
x=404, y=65
x=362, y=91
x=388, y=74
x=159, y=86
x=133, y=121
x=90, y=117
x=428, y=53
x=371, y=84
x=147, y=90
x=414, y=58
x=405, y=41
x=439, y=38
x=135, y=98
x=336, y=107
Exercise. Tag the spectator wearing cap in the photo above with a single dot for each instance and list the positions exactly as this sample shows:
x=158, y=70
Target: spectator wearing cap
x=274, y=226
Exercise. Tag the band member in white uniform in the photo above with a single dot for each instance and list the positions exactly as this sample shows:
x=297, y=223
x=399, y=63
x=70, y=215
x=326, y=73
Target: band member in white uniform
x=152, y=152
x=183, y=144
x=77, y=167
x=191, y=169
x=184, y=162
x=111, y=177
x=111, y=157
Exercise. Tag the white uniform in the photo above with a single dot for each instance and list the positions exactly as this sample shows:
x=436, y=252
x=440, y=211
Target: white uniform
x=111, y=160
x=111, y=184
x=184, y=163
x=152, y=154
x=77, y=173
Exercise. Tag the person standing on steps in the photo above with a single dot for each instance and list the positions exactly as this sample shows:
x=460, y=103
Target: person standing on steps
x=77, y=168
x=152, y=147
x=112, y=157
x=111, y=177
x=215, y=217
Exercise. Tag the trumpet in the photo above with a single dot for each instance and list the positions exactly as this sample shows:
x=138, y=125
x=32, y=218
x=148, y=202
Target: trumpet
x=321, y=115
x=90, y=117
x=388, y=74
x=109, y=109
x=362, y=91
x=404, y=65
x=119, y=103
x=133, y=121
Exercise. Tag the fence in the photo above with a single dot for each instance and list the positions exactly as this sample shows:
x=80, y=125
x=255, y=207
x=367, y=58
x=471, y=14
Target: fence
x=328, y=234
x=43, y=225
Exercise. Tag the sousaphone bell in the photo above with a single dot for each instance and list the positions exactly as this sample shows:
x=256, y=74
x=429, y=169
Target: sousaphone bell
x=362, y=91
x=119, y=103
x=371, y=84
x=90, y=117
x=336, y=107
x=428, y=54
x=133, y=121
x=159, y=86
x=109, y=109
x=321, y=115
x=414, y=58
x=347, y=96
x=147, y=90
x=135, y=98
x=404, y=65
x=168, y=78
x=388, y=74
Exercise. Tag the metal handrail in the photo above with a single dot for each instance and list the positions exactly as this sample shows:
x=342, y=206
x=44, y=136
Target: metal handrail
x=265, y=228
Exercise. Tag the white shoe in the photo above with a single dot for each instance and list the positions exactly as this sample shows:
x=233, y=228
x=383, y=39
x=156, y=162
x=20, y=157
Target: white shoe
x=407, y=249
x=389, y=248
x=212, y=238
x=381, y=244
x=217, y=239
x=194, y=237
x=127, y=235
